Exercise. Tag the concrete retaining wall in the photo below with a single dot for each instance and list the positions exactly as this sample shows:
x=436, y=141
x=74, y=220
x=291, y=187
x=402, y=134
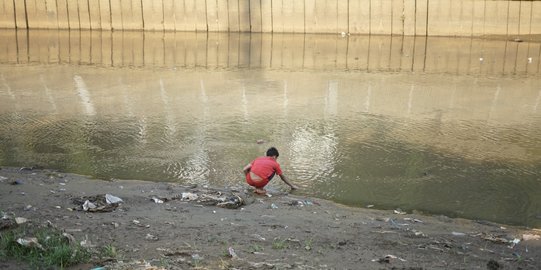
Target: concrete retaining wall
x=408, y=17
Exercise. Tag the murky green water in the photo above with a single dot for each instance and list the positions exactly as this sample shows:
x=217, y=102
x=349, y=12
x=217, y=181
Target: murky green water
x=404, y=123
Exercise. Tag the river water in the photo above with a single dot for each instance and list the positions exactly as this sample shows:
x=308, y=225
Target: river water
x=446, y=126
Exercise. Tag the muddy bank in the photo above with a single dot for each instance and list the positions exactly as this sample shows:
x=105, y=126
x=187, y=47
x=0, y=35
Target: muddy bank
x=172, y=226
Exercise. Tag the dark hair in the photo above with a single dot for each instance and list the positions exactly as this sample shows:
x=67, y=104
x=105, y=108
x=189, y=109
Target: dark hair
x=272, y=152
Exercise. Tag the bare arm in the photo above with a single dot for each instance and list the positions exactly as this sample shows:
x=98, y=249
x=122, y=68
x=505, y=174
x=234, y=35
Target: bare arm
x=246, y=169
x=284, y=178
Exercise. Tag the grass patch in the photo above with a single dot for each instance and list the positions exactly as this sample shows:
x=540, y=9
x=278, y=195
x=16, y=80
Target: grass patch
x=279, y=244
x=54, y=249
x=108, y=252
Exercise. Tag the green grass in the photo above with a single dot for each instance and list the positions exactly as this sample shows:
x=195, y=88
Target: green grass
x=56, y=249
x=108, y=251
x=279, y=244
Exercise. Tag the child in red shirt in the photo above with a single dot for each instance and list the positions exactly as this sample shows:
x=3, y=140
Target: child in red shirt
x=261, y=170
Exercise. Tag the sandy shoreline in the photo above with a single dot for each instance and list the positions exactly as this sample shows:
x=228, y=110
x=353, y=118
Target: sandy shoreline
x=161, y=224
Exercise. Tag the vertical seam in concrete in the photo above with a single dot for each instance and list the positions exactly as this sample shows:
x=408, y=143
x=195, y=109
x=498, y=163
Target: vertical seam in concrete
x=89, y=21
x=485, y=16
x=272, y=23
x=15, y=17
x=57, y=22
x=228, y=24
x=403, y=19
x=369, y=19
x=519, y=17
x=163, y=24
x=426, y=24
x=472, y=19
x=304, y=26
x=531, y=16
x=121, y=15
x=68, y=15
x=79, y=18
x=26, y=15
x=99, y=8
x=111, y=22
x=507, y=20
x=348, y=33
x=261, y=27
x=143, y=21
x=414, y=23
x=250, y=20
x=238, y=19
x=392, y=20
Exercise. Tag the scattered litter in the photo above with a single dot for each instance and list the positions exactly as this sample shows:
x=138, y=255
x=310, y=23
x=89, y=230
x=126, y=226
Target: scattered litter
x=87, y=244
x=232, y=253
x=156, y=200
x=29, y=242
x=110, y=199
x=2, y=178
x=97, y=203
x=399, y=212
x=70, y=237
x=413, y=220
x=387, y=259
x=492, y=238
x=188, y=196
x=151, y=237
x=20, y=220
x=273, y=206
x=527, y=237
x=136, y=222
x=514, y=242
x=260, y=141
x=231, y=202
x=259, y=237
x=87, y=206
x=136, y=265
x=197, y=257
x=458, y=234
x=370, y=206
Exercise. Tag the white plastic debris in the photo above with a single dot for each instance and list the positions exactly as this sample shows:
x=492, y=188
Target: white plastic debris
x=458, y=234
x=110, y=199
x=156, y=200
x=20, y=220
x=232, y=253
x=88, y=205
x=29, y=242
x=188, y=196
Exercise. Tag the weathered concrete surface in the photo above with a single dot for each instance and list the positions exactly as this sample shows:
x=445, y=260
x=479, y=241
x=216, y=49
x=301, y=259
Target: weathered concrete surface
x=385, y=17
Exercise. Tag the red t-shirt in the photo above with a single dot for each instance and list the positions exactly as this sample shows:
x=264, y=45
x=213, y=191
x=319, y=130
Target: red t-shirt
x=265, y=167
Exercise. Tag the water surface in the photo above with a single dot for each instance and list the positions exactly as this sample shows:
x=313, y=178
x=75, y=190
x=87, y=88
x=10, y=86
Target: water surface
x=406, y=123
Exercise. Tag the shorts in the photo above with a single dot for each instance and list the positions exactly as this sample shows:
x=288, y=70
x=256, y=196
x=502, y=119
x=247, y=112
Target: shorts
x=257, y=184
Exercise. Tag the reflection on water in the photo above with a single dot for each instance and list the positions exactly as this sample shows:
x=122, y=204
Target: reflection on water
x=270, y=51
x=444, y=141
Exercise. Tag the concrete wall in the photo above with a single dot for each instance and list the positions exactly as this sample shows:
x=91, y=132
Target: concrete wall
x=271, y=51
x=408, y=17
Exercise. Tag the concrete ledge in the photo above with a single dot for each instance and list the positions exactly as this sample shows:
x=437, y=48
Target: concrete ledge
x=382, y=17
